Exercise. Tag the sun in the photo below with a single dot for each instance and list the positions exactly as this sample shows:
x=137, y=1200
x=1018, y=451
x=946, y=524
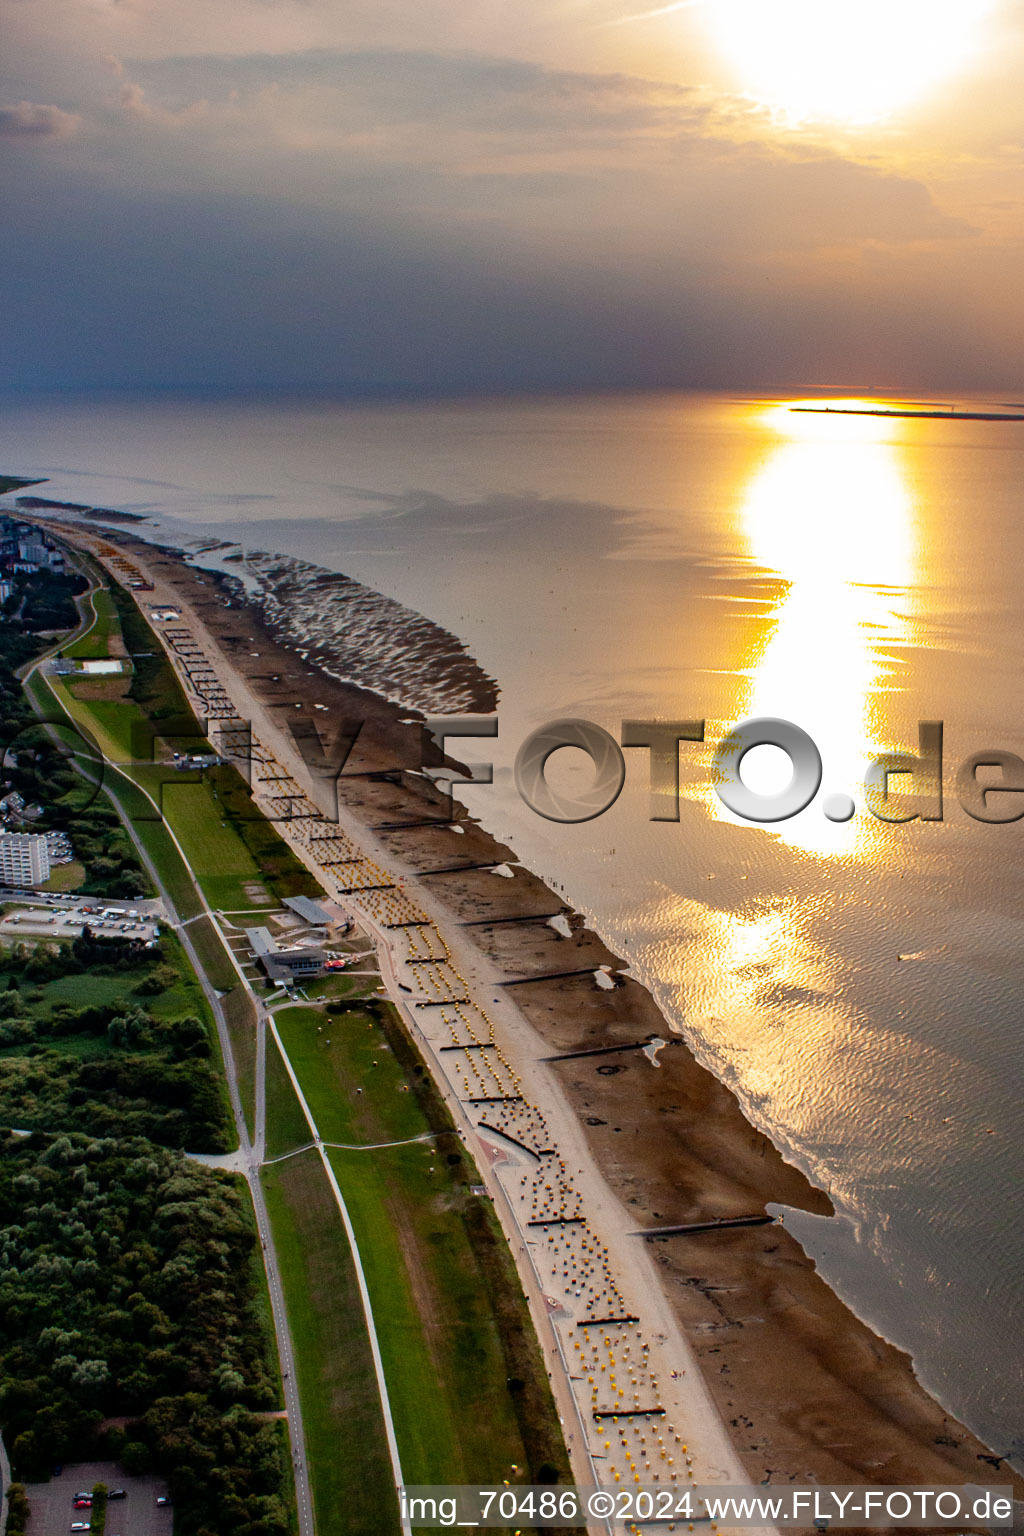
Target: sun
x=854, y=63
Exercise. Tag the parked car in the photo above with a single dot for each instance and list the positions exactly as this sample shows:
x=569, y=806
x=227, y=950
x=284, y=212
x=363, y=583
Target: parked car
x=117, y=1493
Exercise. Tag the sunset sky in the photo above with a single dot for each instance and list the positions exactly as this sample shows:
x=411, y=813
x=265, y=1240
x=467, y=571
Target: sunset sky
x=453, y=195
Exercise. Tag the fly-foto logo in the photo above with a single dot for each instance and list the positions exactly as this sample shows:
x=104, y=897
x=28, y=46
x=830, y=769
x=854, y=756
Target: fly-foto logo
x=897, y=787
x=663, y=739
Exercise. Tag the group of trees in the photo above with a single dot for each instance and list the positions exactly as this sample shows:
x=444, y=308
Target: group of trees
x=128, y=1288
x=46, y=599
x=129, y=1277
x=39, y=962
x=176, y=1103
x=100, y=842
x=152, y=1076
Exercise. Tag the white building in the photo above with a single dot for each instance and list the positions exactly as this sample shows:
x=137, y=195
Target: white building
x=34, y=551
x=24, y=858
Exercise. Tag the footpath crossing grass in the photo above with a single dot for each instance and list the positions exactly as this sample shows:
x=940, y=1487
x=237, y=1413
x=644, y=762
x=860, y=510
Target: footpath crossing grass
x=95, y=643
x=209, y=946
x=349, y=1467
x=438, y=1336
x=451, y=1317
x=333, y=1055
x=155, y=837
x=111, y=721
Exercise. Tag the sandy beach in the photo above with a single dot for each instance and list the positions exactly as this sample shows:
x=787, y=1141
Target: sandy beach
x=778, y=1379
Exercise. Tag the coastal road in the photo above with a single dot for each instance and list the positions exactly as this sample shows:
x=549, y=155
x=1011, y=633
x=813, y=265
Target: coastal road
x=250, y=1156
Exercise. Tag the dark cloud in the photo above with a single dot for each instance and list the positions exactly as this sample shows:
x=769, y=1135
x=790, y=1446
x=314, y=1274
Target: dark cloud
x=384, y=222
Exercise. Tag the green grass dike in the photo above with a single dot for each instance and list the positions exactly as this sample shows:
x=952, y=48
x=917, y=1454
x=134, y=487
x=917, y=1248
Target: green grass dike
x=349, y=1467
x=452, y=1321
x=138, y=720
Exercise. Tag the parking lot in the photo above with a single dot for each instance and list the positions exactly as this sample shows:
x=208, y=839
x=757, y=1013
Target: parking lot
x=137, y=1515
x=149, y=906
x=63, y=917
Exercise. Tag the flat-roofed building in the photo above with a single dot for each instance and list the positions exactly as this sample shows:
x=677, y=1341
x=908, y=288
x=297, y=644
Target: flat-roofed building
x=309, y=910
x=284, y=964
x=103, y=667
x=318, y=914
x=24, y=858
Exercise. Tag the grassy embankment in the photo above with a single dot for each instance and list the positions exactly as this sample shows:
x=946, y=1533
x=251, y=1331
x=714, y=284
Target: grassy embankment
x=238, y=859
x=94, y=644
x=350, y=1472
x=236, y=855
x=451, y=1318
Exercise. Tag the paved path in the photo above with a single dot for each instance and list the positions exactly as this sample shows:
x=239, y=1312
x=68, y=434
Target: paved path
x=5, y=1481
x=364, y=1293
x=250, y=1151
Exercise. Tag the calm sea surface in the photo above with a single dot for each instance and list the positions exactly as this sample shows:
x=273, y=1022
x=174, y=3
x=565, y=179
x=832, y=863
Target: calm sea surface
x=860, y=986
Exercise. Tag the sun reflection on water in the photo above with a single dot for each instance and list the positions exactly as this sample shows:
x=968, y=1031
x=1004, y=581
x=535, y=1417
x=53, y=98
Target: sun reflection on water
x=831, y=516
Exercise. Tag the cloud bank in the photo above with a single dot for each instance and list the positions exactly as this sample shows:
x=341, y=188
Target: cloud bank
x=380, y=219
x=30, y=120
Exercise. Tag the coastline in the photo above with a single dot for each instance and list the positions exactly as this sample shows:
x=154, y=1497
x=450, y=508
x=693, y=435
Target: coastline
x=671, y=1143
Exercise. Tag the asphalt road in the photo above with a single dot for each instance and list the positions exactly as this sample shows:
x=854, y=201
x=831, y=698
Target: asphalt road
x=251, y=1151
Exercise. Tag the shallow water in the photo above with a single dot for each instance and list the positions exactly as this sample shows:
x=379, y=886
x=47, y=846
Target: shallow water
x=859, y=985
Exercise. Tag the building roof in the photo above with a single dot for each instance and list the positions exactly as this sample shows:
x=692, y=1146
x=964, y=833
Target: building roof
x=266, y=947
x=261, y=941
x=310, y=911
x=102, y=666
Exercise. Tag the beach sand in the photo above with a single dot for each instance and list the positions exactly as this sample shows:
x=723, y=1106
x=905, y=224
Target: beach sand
x=809, y=1393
